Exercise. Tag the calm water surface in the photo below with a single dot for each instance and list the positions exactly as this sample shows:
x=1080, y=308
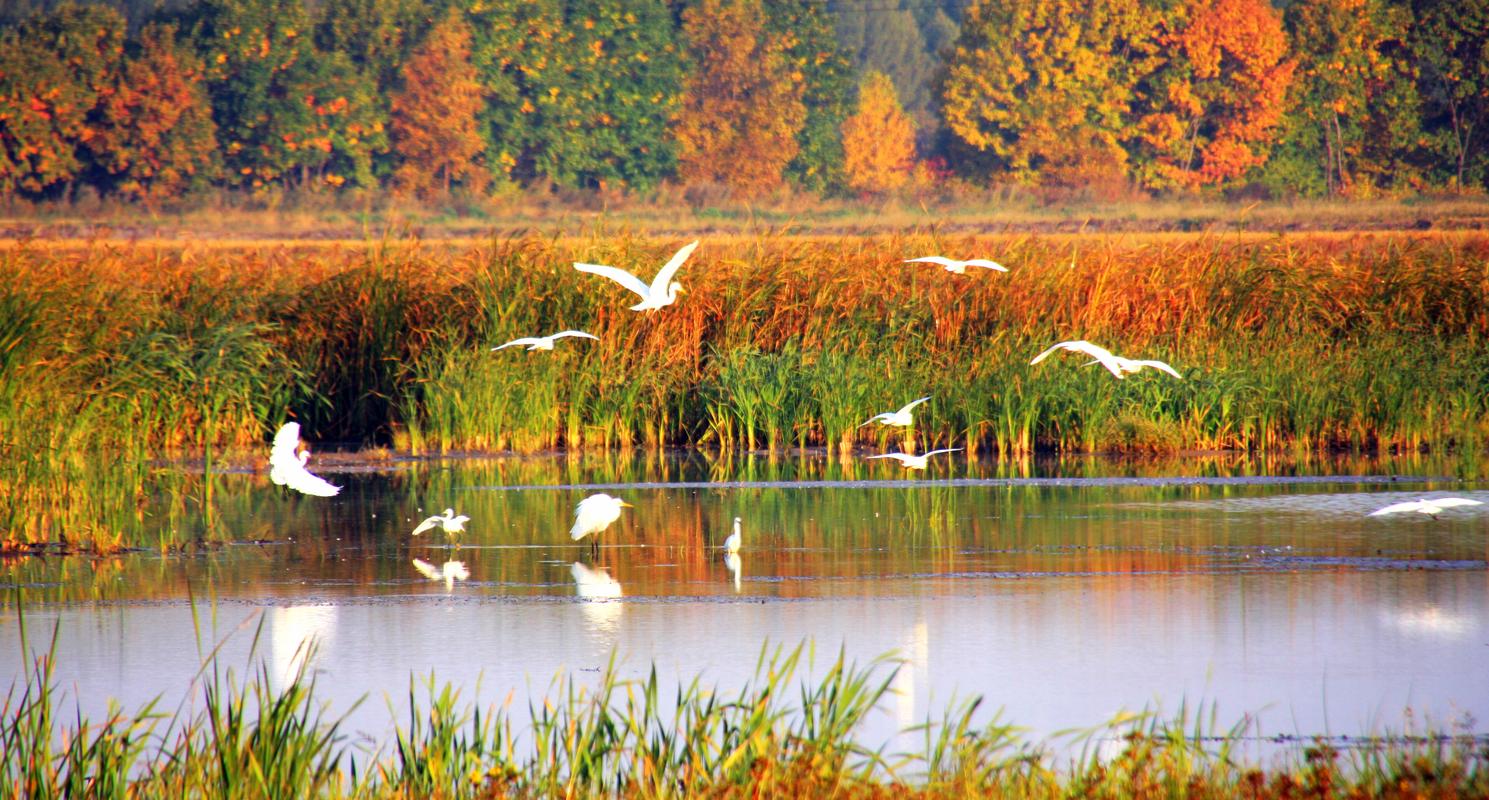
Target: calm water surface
x=1061, y=593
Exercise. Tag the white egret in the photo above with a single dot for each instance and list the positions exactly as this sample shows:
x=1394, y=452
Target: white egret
x=595, y=513
x=959, y=267
x=1117, y=365
x=544, y=342
x=900, y=418
x=731, y=545
x=594, y=584
x=915, y=462
x=287, y=468
x=449, y=572
x=662, y=291
x=447, y=521
x=1431, y=507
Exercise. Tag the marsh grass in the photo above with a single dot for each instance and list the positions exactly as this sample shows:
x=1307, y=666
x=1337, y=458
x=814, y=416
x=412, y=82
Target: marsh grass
x=136, y=354
x=789, y=731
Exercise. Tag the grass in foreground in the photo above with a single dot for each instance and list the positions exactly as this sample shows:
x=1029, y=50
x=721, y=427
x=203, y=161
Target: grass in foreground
x=618, y=738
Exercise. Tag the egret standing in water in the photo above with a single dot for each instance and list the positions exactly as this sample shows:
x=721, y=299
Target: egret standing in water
x=958, y=267
x=287, y=467
x=915, y=462
x=663, y=290
x=901, y=418
x=731, y=545
x=544, y=342
x=447, y=521
x=594, y=514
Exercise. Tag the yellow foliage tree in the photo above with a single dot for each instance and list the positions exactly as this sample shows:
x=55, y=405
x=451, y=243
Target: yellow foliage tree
x=434, y=116
x=879, y=139
x=1041, y=88
x=742, y=107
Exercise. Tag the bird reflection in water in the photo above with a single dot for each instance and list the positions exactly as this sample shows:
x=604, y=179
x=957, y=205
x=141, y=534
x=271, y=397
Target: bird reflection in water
x=599, y=596
x=734, y=565
x=449, y=572
x=297, y=637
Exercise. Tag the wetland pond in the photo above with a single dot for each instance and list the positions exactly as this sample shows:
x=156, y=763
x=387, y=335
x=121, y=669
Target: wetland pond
x=1062, y=593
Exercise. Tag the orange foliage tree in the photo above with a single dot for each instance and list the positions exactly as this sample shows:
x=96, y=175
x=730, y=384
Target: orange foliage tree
x=878, y=139
x=434, y=116
x=742, y=107
x=1206, y=112
x=155, y=134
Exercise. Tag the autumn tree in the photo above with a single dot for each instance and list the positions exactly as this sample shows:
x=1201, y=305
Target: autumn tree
x=1451, y=43
x=155, y=135
x=811, y=48
x=1207, y=109
x=434, y=114
x=879, y=139
x=286, y=112
x=1041, y=89
x=742, y=106
x=55, y=69
x=1354, y=107
x=886, y=37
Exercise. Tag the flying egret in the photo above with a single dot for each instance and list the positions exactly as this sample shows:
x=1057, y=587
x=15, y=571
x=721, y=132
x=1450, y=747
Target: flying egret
x=544, y=342
x=662, y=291
x=959, y=267
x=901, y=418
x=731, y=545
x=595, y=513
x=287, y=468
x=915, y=462
x=594, y=584
x=1117, y=365
x=449, y=572
x=450, y=523
x=1431, y=507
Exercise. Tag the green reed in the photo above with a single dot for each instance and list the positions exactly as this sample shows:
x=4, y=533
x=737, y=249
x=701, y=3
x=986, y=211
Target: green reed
x=612, y=737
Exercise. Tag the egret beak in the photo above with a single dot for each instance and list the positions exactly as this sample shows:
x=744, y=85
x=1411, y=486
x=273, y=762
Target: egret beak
x=624, y=504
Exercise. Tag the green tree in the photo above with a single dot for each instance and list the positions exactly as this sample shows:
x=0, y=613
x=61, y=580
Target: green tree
x=154, y=135
x=1042, y=88
x=811, y=48
x=1354, y=109
x=742, y=107
x=620, y=84
x=885, y=37
x=434, y=114
x=1451, y=44
x=286, y=112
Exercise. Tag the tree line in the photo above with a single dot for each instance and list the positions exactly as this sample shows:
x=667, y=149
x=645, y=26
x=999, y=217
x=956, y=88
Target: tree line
x=742, y=97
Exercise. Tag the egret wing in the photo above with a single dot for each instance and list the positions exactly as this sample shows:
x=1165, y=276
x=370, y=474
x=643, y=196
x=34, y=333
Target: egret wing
x=526, y=340
x=912, y=404
x=900, y=457
x=1454, y=502
x=942, y=260
x=620, y=276
x=427, y=525
x=945, y=450
x=986, y=264
x=664, y=276
x=580, y=334
x=302, y=481
x=1159, y=365
x=1397, y=508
